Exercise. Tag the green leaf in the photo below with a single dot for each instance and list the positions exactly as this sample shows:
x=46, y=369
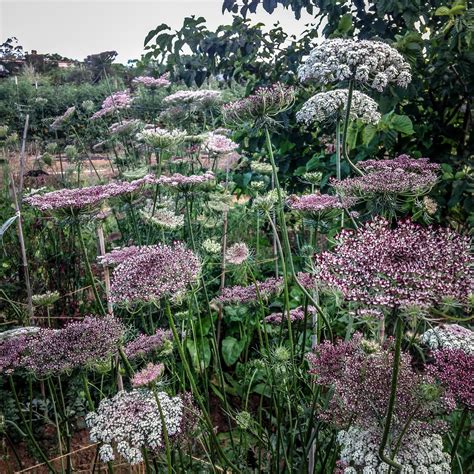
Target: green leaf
x=443, y=11
x=231, y=349
x=402, y=124
x=368, y=134
x=200, y=353
x=345, y=23
x=6, y=225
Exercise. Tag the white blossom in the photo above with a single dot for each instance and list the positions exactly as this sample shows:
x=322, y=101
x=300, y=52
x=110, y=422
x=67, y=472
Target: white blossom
x=371, y=62
x=449, y=336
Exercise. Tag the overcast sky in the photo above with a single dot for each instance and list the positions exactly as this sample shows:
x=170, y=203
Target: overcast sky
x=75, y=28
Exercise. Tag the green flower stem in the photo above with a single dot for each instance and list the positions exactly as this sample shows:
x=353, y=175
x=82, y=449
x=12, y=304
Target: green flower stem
x=338, y=149
x=284, y=231
x=393, y=394
x=27, y=426
x=126, y=363
x=194, y=388
x=165, y=431
x=462, y=422
x=85, y=382
x=89, y=270
x=346, y=127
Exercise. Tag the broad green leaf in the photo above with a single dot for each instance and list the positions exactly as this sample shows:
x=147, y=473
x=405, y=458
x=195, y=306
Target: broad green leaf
x=402, y=124
x=345, y=23
x=200, y=353
x=231, y=349
x=443, y=11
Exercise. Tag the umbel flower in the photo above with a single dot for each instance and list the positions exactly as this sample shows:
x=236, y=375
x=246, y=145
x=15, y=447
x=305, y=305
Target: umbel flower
x=217, y=143
x=154, y=272
x=131, y=421
x=59, y=121
x=264, y=103
x=370, y=62
x=313, y=203
x=54, y=351
x=153, y=82
x=359, y=374
x=185, y=183
x=420, y=453
x=261, y=168
x=199, y=98
x=116, y=101
x=402, y=175
x=148, y=376
x=163, y=218
x=77, y=199
x=449, y=336
x=331, y=106
x=251, y=293
x=402, y=266
x=161, y=138
x=237, y=253
x=125, y=127
x=211, y=246
x=144, y=345
x=296, y=314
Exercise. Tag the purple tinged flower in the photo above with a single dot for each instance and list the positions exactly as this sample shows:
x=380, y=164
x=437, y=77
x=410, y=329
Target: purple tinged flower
x=147, y=376
x=185, y=183
x=125, y=127
x=319, y=202
x=408, y=265
x=402, y=175
x=54, y=351
x=153, y=82
x=144, y=345
x=263, y=103
x=237, y=254
x=296, y=314
x=77, y=199
x=219, y=143
x=454, y=368
x=154, y=272
x=119, y=255
x=116, y=101
x=200, y=98
x=249, y=294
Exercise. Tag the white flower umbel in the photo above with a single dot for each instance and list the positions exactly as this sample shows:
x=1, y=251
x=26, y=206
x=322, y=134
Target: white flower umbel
x=331, y=106
x=161, y=138
x=131, y=421
x=449, y=336
x=203, y=98
x=371, y=62
x=419, y=454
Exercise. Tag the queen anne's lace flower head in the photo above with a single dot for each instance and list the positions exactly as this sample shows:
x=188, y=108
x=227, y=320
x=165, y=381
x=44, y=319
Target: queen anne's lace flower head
x=296, y=314
x=217, y=143
x=144, y=345
x=161, y=138
x=237, y=253
x=402, y=266
x=265, y=102
x=371, y=62
x=261, y=168
x=185, y=183
x=449, y=336
x=211, y=246
x=116, y=101
x=331, y=106
x=80, y=344
x=153, y=82
x=148, y=376
x=200, y=98
x=59, y=121
x=251, y=293
x=314, y=203
x=131, y=421
x=154, y=272
x=125, y=127
x=419, y=453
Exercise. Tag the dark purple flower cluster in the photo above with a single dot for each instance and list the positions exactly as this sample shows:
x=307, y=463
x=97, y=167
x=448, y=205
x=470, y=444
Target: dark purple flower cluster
x=264, y=102
x=359, y=372
x=154, y=272
x=402, y=175
x=251, y=293
x=454, y=368
x=119, y=255
x=80, y=198
x=54, y=351
x=319, y=202
x=144, y=345
x=402, y=266
x=296, y=314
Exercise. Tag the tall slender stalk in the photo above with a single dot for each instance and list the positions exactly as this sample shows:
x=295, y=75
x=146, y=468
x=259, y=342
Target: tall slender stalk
x=393, y=393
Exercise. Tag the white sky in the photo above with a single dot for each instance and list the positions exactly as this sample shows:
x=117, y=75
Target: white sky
x=75, y=28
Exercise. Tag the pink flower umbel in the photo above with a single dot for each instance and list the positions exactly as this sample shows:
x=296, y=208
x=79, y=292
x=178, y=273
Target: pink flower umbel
x=296, y=314
x=408, y=265
x=153, y=82
x=149, y=375
x=144, y=345
x=249, y=294
x=312, y=203
x=237, y=254
x=155, y=272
